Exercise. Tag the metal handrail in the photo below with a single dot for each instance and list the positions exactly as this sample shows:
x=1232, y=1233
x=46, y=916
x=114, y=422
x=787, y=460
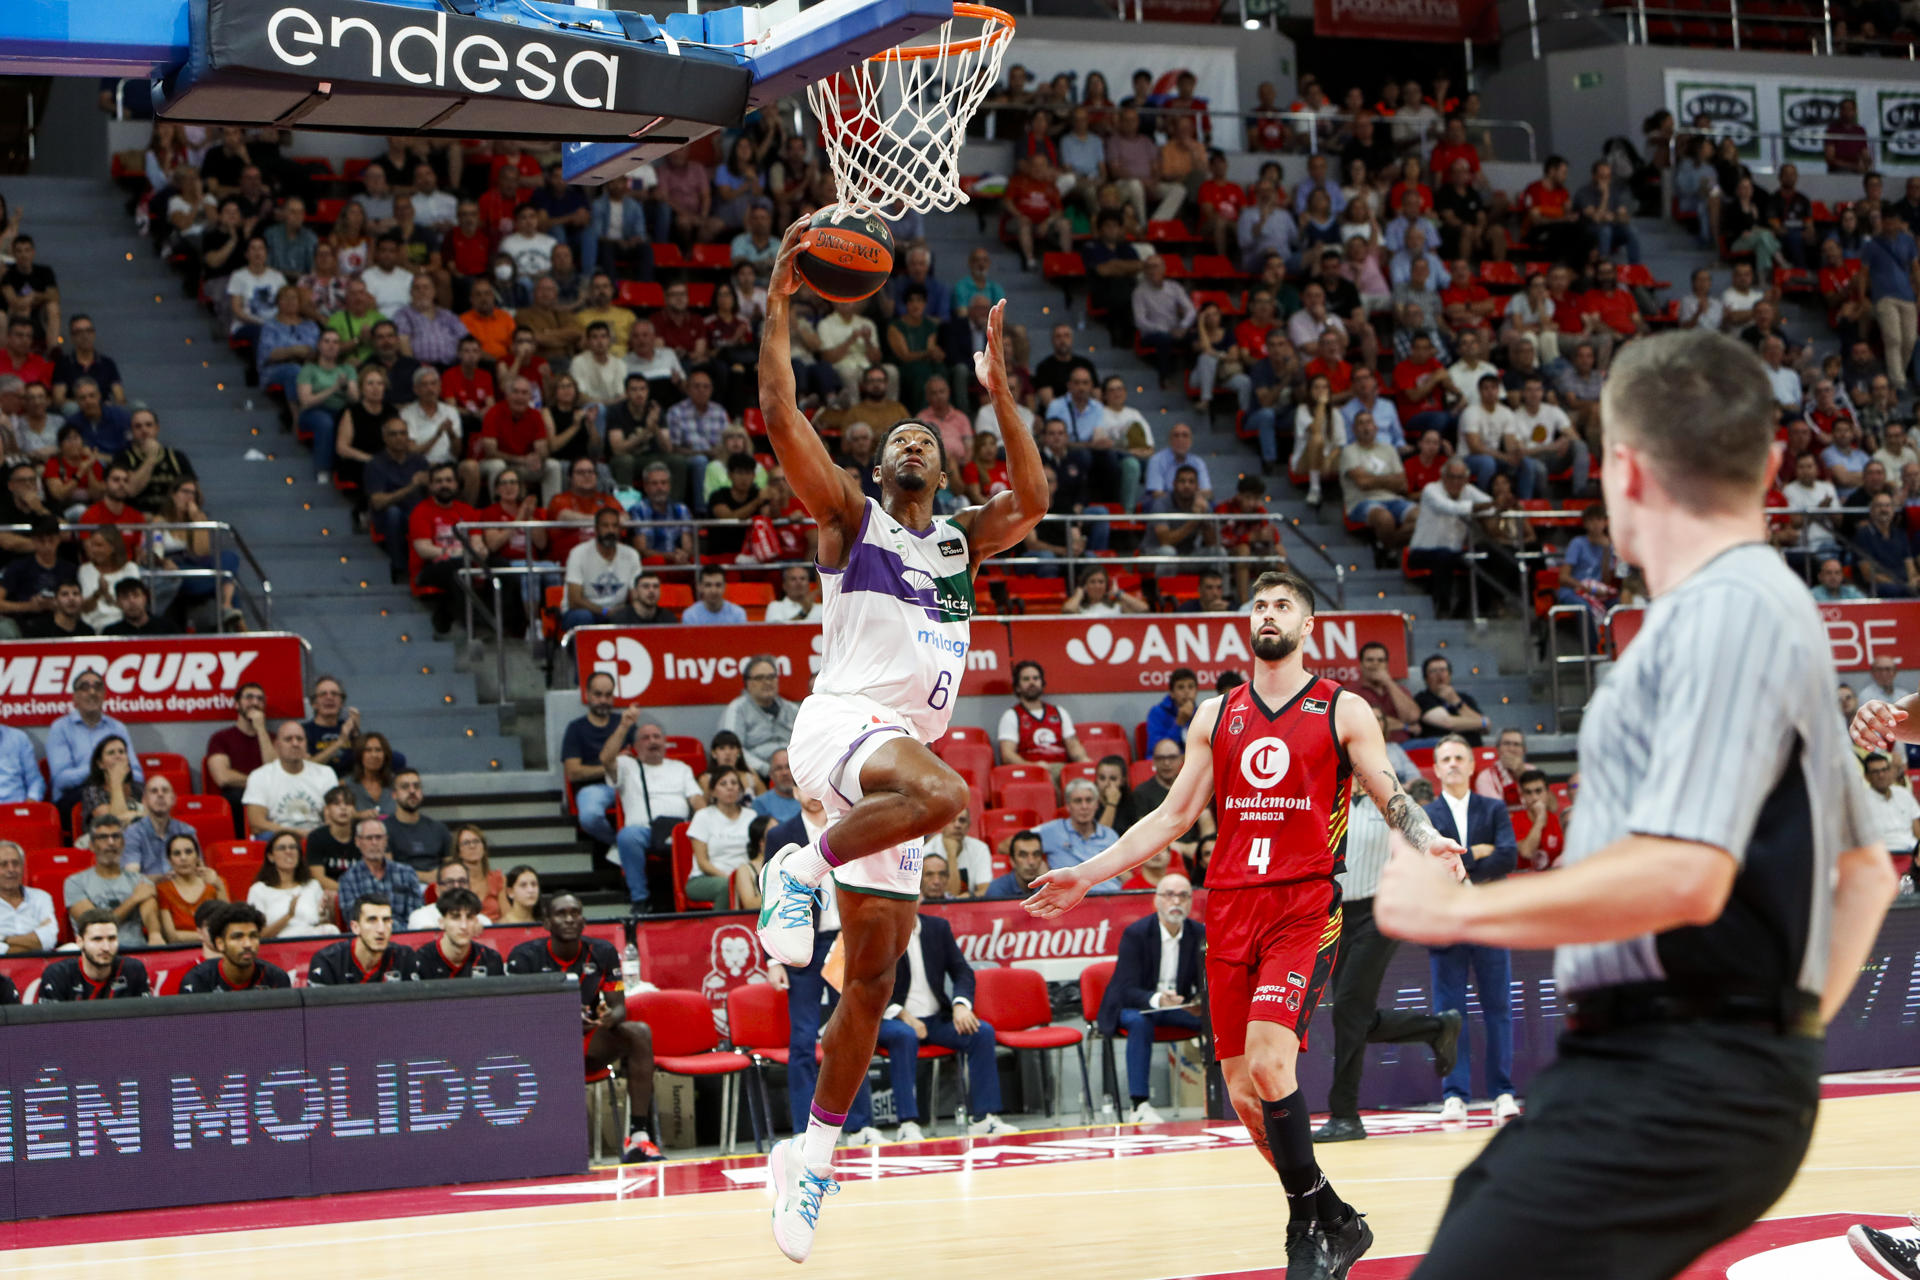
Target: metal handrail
x=1637, y=32
x=1312, y=123
x=1775, y=142
x=219, y=529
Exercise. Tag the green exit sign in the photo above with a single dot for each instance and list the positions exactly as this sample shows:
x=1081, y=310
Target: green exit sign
x=1587, y=80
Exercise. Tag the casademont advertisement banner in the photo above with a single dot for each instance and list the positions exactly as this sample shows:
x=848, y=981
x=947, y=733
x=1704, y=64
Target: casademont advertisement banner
x=1752, y=109
x=680, y=666
x=152, y=678
x=1445, y=21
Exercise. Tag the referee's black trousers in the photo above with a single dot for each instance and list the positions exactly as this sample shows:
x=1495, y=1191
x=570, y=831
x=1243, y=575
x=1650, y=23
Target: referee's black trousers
x=1358, y=1021
x=1641, y=1148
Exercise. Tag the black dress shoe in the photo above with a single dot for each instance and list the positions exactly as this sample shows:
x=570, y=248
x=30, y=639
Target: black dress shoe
x=1340, y=1129
x=1446, y=1042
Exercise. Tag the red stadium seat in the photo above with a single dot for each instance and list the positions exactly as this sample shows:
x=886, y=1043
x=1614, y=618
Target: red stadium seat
x=667, y=257
x=211, y=817
x=1005, y=775
x=170, y=765
x=712, y=257
x=1138, y=772
x=691, y=750
x=686, y=1043
x=1035, y=797
x=235, y=861
x=1094, y=980
x=997, y=826
x=641, y=293
x=1081, y=769
x=1014, y=1001
x=1103, y=738
x=682, y=869
x=31, y=824
x=48, y=869
x=972, y=761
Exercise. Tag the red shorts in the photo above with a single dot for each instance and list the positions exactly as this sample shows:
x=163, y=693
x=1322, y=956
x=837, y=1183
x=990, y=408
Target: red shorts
x=1270, y=951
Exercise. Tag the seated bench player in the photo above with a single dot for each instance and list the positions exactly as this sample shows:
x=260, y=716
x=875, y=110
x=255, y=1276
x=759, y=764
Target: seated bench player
x=455, y=954
x=99, y=972
x=370, y=955
x=610, y=1038
x=234, y=931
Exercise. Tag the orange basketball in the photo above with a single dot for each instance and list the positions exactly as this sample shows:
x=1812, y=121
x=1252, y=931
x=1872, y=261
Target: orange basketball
x=851, y=255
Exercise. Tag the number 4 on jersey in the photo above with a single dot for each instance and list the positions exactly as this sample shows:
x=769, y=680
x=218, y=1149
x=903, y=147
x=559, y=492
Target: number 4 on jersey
x=1260, y=854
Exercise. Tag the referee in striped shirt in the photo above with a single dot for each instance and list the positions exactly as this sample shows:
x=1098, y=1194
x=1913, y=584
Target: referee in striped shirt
x=1365, y=952
x=1720, y=889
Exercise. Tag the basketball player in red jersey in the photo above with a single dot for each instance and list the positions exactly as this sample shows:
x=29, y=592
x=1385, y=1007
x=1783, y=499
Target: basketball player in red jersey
x=1280, y=754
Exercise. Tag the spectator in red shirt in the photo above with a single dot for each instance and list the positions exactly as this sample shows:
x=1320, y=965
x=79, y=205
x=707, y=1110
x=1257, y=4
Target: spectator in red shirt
x=1465, y=302
x=439, y=552
x=1221, y=200
x=19, y=357
x=577, y=504
x=1251, y=334
x=499, y=205
x=1572, y=321
x=1327, y=363
x=514, y=434
x=73, y=478
x=113, y=508
x=1424, y=463
x=468, y=387
x=681, y=329
x=1454, y=146
x=467, y=249
x=1499, y=778
x=1847, y=149
x=1547, y=215
x=1423, y=392
x=1843, y=287
x=1613, y=303
x=1270, y=130
x=1408, y=179
x=1034, y=204
x=1536, y=824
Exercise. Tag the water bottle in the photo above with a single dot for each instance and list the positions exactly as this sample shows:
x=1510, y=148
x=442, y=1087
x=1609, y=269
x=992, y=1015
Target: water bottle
x=1107, y=1115
x=630, y=958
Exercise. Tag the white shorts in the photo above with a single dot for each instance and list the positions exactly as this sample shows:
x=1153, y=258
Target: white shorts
x=834, y=736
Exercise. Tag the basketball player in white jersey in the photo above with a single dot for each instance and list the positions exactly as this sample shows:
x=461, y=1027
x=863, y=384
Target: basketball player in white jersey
x=897, y=594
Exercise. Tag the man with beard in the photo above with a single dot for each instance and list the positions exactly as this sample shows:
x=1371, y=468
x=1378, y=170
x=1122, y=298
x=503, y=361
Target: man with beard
x=1282, y=754
x=234, y=931
x=603, y=1010
x=99, y=972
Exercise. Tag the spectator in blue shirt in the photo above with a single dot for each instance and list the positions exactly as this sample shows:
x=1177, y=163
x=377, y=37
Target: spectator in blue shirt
x=1317, y=179
x=19, y=768
x=1890, y=260
x=378, y=872
x=106, y=425
x=72, y=738
x=1169, y=718
x=671, y=544
x=1886, y=554
x=1028, y=855
x=1833, y=585
x=778, y=801
x=713, y=608
x=1178, y=453
x=287, y=341
x=1071, y=840
x=564, y=210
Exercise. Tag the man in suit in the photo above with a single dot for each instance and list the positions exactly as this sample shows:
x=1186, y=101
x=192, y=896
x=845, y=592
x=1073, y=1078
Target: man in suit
x=921, y=1010
x=1480, y=823
x=810, y=999
x=1155, y=981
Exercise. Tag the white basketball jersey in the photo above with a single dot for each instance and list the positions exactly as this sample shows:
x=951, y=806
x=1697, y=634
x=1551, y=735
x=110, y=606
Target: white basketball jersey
x=897, y=619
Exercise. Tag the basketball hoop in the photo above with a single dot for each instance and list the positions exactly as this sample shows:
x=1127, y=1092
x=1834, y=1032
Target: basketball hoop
x=892, y=125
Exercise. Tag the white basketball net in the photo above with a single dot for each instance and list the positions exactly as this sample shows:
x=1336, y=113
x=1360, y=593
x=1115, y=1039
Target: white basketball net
x=893, y=126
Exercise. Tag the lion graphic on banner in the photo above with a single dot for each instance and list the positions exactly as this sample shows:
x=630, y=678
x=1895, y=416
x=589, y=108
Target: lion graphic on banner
x=734, y=955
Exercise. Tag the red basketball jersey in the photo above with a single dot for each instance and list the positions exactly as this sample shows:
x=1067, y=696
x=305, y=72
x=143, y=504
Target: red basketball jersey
x=1281, y=782
x=1043, y=738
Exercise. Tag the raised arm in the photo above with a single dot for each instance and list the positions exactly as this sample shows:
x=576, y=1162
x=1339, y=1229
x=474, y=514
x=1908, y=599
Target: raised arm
x=1878, y=725
x=1059, y=890
x=1367, y=751
x=829, y=494
x=1007, y=517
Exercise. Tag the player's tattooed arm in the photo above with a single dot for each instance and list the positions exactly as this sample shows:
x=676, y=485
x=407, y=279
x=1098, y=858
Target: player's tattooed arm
x=1406, y=816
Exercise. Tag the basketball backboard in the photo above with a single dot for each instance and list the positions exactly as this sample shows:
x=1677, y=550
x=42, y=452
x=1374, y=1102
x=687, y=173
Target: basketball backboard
x=621, y=86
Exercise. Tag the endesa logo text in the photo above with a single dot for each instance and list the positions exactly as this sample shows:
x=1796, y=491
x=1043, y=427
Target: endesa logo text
x=372, y=43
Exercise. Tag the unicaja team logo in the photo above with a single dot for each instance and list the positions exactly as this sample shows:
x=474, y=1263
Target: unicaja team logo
x=1099, y=646
x=627, y=661
x=1265, y=762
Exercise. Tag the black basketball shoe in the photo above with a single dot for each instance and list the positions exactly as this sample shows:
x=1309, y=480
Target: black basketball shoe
x=1888, y=1256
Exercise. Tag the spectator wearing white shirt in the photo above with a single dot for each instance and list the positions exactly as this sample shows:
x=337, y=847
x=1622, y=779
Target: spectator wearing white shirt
x=1490, y=442
x=1700, y=309
x=656, y=794
x=1739, y=299
x=390, y=283
x=287, y=793
x=971, y=860
x=1787, y=392
x=601, y=575
x=530, y=248
x=1885, y=684
x=796, y=602
x=1439, y=539
x=1548, y=436
x=601, y=375
x=719, y=835
x=1163, y=316
x=1472, y=365
x=1896, y=815
x=1807, y=493
x=27, y=919
x=433, y=425
x=432, y=207
x=1374, y=481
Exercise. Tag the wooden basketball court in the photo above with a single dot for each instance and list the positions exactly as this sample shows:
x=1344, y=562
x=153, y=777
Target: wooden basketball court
x=1187, y=1199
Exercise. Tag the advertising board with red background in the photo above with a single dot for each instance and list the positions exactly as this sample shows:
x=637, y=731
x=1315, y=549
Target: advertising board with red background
x=153, y=678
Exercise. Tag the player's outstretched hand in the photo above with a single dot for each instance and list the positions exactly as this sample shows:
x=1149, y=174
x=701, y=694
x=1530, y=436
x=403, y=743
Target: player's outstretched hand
x=793, y=244
x=1874, y=723
x=1452, y=855
x=990, y=366
x=1056, y=892
x=1417, y=895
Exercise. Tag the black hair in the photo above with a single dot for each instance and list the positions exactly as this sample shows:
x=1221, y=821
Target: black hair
x=1530, y=775
x=742, y=462
x=1228, y=682
x=1182, y=673
x=375, y=899
x=235, y=913
x=1371, y=645
x=880, y=449
x=1025, y=833
x=458, y=902
x=1023, y=664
